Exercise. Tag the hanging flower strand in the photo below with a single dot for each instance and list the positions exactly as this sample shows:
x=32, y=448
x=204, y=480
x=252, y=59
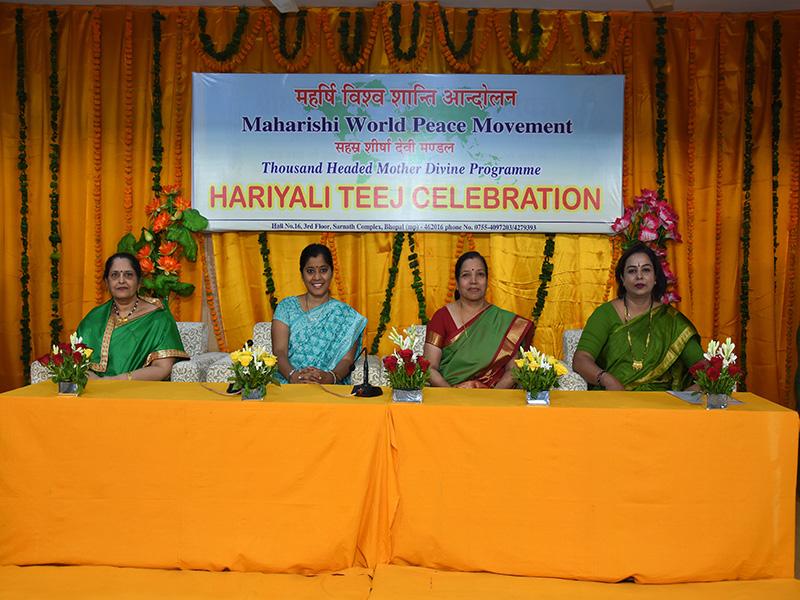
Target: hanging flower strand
x=355, y=59
x=661, y=101
x=397, y=249
x=520, y=61
x=454, y=55
x=233, y=46
x=777, y=104
x=157, y=123
x=587, y=41
x=283, y=56
x=55, y=156
x=416, y=53
x=545, y=276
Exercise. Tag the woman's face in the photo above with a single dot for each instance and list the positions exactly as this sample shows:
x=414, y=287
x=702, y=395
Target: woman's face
x=122, y=281
x=472, y=280
x=317, y=275
x=638, y=276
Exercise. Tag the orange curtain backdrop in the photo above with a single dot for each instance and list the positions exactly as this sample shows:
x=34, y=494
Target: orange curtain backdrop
x=106, y=142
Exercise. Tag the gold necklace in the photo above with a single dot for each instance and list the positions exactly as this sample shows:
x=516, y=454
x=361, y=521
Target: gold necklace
x=124, y=319
x=638, y=364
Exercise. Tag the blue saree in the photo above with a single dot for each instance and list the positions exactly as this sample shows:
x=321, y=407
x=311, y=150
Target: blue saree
x=322, y=336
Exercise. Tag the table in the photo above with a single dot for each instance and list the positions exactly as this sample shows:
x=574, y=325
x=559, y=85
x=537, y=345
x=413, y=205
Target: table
x=598, y=486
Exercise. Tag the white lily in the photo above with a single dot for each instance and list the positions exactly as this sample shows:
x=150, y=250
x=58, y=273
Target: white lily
x=545, y=366
x=74, y=340
x=711, y=351
x=727, y=349
x=403, y=342
x=55, y=350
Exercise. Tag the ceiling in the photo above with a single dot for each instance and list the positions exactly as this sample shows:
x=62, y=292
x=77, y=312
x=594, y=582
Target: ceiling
x=595, y=5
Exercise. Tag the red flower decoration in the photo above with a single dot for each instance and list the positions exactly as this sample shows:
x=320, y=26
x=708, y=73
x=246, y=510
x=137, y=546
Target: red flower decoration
x=161, y=222
x=153, y=206
x=424, y=363
x=733, y=370
x=143, y=252
x=170, y=188
x=169, y=265
x=700, y=365
x=406, y=354
x=713, y=373
x=167, y=247
x=410, y=368
x=58, y=360
x=77, y=357
x=147, y=265
x=45, y=360
x=716, y=362
x=182, y=203
x=390, y=362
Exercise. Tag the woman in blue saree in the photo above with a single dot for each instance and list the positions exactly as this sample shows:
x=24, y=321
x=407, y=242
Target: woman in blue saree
x=315, y=337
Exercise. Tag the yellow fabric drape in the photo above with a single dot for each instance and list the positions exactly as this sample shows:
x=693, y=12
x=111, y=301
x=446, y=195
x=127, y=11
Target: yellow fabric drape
x=703, y=165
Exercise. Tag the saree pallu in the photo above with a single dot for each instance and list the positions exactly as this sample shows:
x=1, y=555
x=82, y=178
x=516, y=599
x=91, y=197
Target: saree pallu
x=479, y=350
x=674, y=347
x=124, y=346
x=322, y=336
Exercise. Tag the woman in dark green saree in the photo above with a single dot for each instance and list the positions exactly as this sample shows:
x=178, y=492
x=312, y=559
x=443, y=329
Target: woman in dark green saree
x=133, y=337
x=634, y=342
x=469, y=342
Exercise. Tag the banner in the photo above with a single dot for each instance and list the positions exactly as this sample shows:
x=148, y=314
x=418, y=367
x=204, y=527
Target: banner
x=504, y=153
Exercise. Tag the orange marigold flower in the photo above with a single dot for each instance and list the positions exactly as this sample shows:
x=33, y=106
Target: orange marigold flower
x=153, y=207
x=182, y=203
x=147, y=265
x=167, y=247
x=169, y=265
x=161, y=222
x=144, y=252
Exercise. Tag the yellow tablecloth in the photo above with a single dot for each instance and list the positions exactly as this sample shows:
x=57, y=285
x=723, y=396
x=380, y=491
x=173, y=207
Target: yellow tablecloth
x=598, y=486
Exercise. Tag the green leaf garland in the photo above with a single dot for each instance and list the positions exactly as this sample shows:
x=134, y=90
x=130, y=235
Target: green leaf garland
x=416, y=284
x=397, y=249
x=22, y=167
x=55, y=155
x=545, y=276
x=158, y=124
x=744, y=293
x=394, y=21
x=535, y=37
x=351, y=56
x=299, y=30
x=461, y=52
x=270, y=282
x=233, y=46
x=661, y=101
x=587, y=42
x=777, y=105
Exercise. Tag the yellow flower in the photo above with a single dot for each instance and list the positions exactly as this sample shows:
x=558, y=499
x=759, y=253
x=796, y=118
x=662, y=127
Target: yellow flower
x=561, y=369
x=520, y=362
x=87, y=352
x=533, y=365
x=245, y=358
x=268, y=359
x=235, y=355
x=528, y=356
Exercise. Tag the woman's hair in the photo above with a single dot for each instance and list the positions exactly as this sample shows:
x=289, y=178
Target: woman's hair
x=313, y=250
x=129, y=257
x=661, y=280
x=460, y=263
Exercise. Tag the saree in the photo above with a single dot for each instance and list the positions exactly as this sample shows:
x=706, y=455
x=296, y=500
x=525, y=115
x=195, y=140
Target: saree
x=122, y=346
x=479, y=350
x=322, y=336
x=674, y=347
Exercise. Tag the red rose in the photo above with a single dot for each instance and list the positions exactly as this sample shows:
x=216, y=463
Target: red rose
x=424, y=363
x=406, y=354
x=700, y=365
x=77, y=357
x=410, y=368
x=716, y=362
x=390, y=362
x=65, y=347
x=58, y=360
x=733, y=370
x=713, y=373
x=45, y=360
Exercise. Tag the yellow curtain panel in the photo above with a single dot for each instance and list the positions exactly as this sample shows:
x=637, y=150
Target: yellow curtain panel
x=78, y=160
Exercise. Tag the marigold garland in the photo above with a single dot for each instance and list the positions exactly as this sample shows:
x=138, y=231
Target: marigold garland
x=661, y=101
x=416, y=284
x=268, y=278
x=127, y=123
x=691, y=153
x=587, y=41
x=22, y=167
x=744, y=291
x=588, y=66
x=211, y=300
x=177, y=148
x=299, y=29
x=545, y=276
x=720, y=173
x=278, y=50
x=245, y=46
x=413, y=57
x=55, y=156
x=356, y=58
x=233, y=46
x=627, y=69
x=514, y=52
x=397, y=249
x=777, y=104
x=97, y=154
x=452, y=54
x=157, y=122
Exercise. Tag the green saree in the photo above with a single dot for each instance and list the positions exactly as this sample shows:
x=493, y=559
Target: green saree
x=674, y=347
x=122, y=346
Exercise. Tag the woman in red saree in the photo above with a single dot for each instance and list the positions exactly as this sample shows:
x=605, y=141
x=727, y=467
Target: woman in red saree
x=470, y=342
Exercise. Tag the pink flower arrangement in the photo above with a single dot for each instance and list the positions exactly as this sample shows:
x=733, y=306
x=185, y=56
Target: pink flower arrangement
x=652, y=221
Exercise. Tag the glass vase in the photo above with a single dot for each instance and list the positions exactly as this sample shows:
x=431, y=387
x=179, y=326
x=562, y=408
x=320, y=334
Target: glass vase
x=407, y=396
x=68, y=388
x=254, y=394
x=715, y=401
x=537, y=398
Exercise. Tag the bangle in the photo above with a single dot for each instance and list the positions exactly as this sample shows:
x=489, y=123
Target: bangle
x=292, y=372
x=332, y=372
x=599, y=377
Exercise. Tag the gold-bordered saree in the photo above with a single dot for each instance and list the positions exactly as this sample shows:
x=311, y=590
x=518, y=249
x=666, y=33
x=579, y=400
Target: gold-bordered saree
x=674, y=347
x=124, y=345
x=479, y=350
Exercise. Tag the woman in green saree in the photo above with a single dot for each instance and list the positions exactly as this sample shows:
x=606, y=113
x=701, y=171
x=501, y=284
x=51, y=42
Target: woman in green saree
x=133, y=337
x=634, y=342
x=469, y=342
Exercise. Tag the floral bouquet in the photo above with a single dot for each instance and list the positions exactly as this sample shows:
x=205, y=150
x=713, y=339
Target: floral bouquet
x=407, y=369
x=69, y=363
x=717, y=372
x=160, y=246
x=253, y=368
x=537, y=372
x=651, y=221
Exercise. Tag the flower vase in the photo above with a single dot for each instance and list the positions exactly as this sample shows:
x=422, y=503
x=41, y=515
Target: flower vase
x=537, y=398
x=68, y=388
x=254, y=394
x=407, y=396
x=714, y=401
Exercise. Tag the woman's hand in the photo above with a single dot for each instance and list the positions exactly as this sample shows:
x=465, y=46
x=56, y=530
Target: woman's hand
x=472, y=384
